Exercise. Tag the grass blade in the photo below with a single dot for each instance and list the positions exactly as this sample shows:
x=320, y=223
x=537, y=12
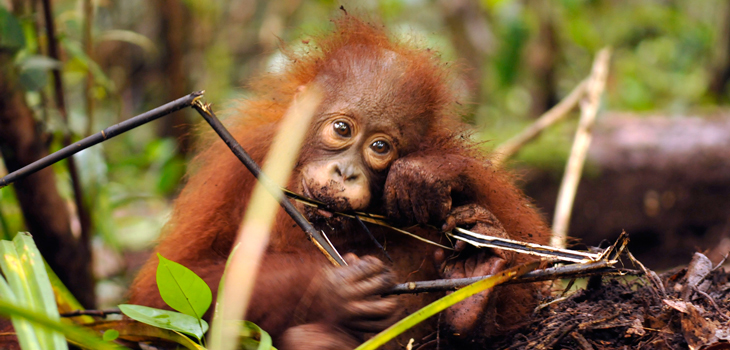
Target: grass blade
x=443, y=303
x=23, y=329
x=75, y=334
x=40, y=289
x=17, y=292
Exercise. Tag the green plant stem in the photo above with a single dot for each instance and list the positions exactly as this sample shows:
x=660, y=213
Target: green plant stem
x=443, y=303
x=4, y=226
x=75, y=334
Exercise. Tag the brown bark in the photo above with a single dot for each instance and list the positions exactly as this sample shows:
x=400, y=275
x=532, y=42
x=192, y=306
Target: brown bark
x=541, y=59
x=173, y=22
x=45, y=212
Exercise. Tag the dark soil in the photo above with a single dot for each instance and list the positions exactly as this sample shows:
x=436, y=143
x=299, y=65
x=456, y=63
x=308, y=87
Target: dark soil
x=687, y=309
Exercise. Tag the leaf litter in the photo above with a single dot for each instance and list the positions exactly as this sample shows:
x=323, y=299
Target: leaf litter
x=685, y=308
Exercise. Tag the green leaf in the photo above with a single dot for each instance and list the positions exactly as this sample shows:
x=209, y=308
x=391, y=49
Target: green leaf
x=130, y=329
x=34, y=71
x=75, y=334
x=170, y=175
x=165, y=319
x=39, y=62
x=110, y=335
x=41, y=292
x=131, y=37
x=28, y=287
x=443, y=303
x=254, y=338
x=182, y=289
x=24, y=330
x=11, y=32
x=33, y=79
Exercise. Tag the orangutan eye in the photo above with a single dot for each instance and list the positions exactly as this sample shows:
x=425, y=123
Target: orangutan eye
x=380, y=146
x=342, y=128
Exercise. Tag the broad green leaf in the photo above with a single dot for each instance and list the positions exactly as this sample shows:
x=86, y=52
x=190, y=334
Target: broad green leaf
x=130, y=37
x=33, y=79
x=254, y=338
x=24, y=330
x=77, y=53
x=129, y=329
x=171, y=320
x=11, y=32
x=34, y=71
x=42, y=298
x=182, y=289
x=74, y=334
x=18, y=283
x=110, y=335
x=443, y=303
x=39, y=62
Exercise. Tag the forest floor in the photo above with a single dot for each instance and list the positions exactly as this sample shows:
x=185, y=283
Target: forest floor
x=686, y=308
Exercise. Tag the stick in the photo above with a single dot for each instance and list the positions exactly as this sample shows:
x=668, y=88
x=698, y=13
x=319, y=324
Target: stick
x=484, y=241
x=104, y=135
x=81, y=208
x=243, y=265
x=508, y=148
x=95, y=313
x=573, y=170
x=568, y=271
x=317, y=237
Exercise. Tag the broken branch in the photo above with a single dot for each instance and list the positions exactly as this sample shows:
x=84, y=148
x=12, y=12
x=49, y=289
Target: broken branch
x=569, y=271
x=317, y=237
x=508, y=148
x=99, y=137
x=583, y=136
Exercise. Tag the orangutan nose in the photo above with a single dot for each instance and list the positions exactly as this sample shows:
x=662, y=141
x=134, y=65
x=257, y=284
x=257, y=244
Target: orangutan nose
x=346, y=173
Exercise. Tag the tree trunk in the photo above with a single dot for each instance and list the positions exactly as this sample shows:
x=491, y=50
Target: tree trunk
x=174, y=32
x=45, y=212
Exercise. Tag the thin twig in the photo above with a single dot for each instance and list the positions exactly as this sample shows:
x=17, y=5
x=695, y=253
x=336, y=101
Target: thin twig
x=5, y=234
x=53, y=52
x=482, y=241
x=508, y=148
x=651, y=275
x=574, y=168
x=568, y=271
x=104, y=135
x=95, y=313
x=252, y=239
x=88, y=49
x=712, y=302
x=581, y=340
x=317, y=237
x=372, y=238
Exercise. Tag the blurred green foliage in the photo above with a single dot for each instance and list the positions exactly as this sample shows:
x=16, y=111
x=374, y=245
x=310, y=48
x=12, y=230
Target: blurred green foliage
x=666, y=55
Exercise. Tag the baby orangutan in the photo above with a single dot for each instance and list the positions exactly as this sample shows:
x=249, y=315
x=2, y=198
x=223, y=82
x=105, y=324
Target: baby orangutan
x=386, y=139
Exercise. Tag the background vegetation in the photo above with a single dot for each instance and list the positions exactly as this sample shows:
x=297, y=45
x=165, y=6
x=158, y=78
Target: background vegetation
x=121, y=58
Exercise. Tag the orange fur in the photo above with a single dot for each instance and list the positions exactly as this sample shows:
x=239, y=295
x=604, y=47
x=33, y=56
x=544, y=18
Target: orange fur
x=211, y=206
